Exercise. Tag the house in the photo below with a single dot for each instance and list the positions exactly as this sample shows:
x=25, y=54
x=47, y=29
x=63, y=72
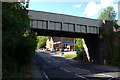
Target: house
x=60, y=43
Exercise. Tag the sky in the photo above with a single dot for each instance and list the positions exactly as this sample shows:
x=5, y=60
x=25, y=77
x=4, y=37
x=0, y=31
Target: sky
x=80, y=8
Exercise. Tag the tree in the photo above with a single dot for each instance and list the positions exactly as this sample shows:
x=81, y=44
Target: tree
x=79, y=48
x=108, y=14
x=112, y=49
x=17, y=49
x=41, y=41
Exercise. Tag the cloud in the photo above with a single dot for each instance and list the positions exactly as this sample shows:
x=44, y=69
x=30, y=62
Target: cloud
x=106, y=3
x=68, y=0
x=115, y=6
x=92, y=8
x=78, y=6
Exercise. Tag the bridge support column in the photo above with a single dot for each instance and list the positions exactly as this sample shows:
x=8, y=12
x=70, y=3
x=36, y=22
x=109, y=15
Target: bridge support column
x=96, y=49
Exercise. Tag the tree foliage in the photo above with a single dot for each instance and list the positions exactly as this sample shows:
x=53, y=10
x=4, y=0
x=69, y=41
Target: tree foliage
x=79, y=48
x=18, y=50
x=41, y=42
x=111, y=49
x=108, y=14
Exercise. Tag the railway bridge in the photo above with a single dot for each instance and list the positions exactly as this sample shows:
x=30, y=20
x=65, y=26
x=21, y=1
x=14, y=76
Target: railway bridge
x=61, y=25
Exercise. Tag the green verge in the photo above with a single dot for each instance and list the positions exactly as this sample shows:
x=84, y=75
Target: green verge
x=56, y=52
x=70, y=55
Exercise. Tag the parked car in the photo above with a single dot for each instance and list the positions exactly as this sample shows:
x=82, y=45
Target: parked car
x=65, y=49
x=42, y=49
x=53, y=49
x=47, y=50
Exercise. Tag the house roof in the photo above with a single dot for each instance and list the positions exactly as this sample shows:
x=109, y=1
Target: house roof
x=63, y=39
x=56, y=38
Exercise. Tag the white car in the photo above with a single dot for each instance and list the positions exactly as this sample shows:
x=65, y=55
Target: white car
x=65, y=49
x=42, y=49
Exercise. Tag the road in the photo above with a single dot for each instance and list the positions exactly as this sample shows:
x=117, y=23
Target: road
x=55, y=67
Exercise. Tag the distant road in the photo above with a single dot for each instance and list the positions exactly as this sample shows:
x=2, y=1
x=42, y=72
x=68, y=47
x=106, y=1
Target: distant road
x=60, y=68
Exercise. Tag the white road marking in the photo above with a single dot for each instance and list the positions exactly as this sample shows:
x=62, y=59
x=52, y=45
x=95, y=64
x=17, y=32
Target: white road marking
x=46, y=76
x=81, y=76
x=64, y=69
x=108, y=75
x=49, y=61
x=105, y=75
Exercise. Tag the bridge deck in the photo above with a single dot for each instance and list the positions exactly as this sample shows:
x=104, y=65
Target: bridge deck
x=61, y=22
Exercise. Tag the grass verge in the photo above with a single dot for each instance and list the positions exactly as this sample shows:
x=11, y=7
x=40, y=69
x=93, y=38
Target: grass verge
x=70, y=55
x=57, y=52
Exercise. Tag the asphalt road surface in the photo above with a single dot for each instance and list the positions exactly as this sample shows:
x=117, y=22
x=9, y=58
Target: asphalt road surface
x=60, y=68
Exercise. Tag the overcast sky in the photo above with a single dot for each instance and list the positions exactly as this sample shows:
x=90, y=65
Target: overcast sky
x=81, y=8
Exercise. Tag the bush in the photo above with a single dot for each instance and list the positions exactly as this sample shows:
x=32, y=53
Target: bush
x=79, y=49
x=79, y=55
x=41, y=42
x=25, y=50
x=17, y=49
